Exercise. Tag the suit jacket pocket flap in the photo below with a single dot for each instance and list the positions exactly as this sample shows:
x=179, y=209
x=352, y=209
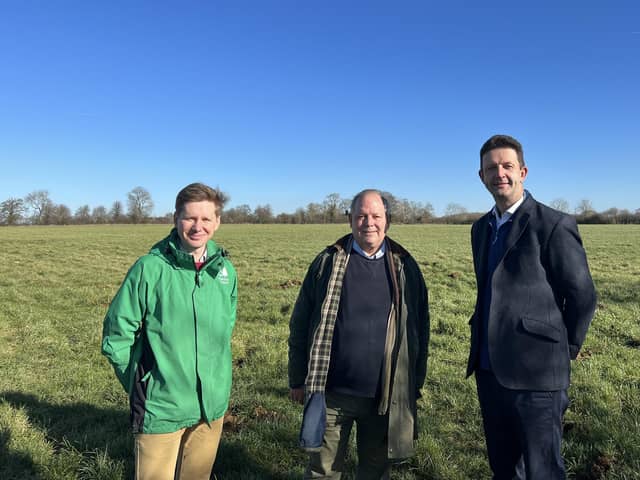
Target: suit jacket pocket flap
x=540, y=328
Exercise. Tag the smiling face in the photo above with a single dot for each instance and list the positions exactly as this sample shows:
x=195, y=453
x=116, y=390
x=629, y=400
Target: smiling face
x=196, y=223
x=369, y=222
x=503, y=176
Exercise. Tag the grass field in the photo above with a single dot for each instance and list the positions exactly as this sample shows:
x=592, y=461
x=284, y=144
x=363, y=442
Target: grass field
x=63, y=415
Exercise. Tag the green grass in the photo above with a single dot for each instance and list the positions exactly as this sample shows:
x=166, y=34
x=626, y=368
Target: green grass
x=63, y=415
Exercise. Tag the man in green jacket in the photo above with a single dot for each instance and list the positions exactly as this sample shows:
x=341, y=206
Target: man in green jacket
x=358, y=345
x=167, y=334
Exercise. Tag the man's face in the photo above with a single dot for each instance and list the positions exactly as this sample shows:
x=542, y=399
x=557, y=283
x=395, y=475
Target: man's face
x=503, y=176
x=196, y=224
x=369, y=222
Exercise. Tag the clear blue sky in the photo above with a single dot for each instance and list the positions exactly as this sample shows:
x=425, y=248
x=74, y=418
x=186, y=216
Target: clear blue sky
x=284, y=102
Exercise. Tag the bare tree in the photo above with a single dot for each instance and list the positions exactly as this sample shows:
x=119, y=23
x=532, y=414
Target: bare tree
x=117, y=212
x=49, y=214
x=584, y=207
x=286, y=218
x=314, y=213
x=401, y=211
x=40, y=205
x=330, y=206
x=299, y=216
x=395, y=210
x=140, y=204
x=263, y=214
x=611, y=215
x=166, y=219
x=99, y=214
x=11, y=211
x=624, y=216
x=454, y=209
x=60, y=215
x=423, y=212
x=240, y=214
x=344, y=206
x=82, y=215
x=560, y=204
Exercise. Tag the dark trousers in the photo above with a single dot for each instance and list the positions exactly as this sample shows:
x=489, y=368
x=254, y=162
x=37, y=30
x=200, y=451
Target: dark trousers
x=523, y=430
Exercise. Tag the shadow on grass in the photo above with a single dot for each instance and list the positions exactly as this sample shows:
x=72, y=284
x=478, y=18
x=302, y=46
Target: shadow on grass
x=234, y=462
x=79, y=426
x=86, y=428
x=13, y=465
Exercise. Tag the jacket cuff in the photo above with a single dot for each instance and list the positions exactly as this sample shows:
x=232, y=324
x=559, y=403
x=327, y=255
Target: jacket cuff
x=573, y=351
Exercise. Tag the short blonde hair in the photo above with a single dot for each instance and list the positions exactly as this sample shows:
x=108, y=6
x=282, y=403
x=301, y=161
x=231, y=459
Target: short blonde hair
x=199, y=192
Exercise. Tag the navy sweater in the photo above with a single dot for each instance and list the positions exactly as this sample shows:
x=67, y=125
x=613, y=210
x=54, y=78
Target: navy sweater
x=357, y=350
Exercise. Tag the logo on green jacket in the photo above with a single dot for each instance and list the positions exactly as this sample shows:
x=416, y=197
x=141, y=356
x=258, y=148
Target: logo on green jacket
x=223, y=276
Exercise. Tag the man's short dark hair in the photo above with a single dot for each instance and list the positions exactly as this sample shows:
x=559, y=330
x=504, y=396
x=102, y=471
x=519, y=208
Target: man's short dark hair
x=199, y=192
x=502, y=141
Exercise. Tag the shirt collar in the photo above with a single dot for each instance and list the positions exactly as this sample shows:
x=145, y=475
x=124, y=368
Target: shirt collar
x=504, y=218
x=202, y=259
x=379, y=254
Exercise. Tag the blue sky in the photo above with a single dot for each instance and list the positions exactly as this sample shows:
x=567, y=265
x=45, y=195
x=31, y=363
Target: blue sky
x=284, y=102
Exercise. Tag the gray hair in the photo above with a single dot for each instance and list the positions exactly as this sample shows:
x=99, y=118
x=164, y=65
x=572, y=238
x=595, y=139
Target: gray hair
x=358, y=197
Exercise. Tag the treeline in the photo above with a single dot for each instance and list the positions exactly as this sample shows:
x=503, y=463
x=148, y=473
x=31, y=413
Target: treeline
x=37, y=208
x=332, y=210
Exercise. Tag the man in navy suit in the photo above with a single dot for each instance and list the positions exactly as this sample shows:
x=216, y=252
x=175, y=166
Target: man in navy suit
x=534, y=305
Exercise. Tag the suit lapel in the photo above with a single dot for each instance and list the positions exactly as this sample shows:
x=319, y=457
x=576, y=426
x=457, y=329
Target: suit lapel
x=520, y=221
x=483, y=233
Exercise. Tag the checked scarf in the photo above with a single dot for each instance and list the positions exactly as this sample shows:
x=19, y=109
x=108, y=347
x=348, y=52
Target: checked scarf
x=321, y=350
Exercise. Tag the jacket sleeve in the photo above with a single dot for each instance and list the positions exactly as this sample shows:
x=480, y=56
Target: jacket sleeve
x=423, y=328
x=300, y=326
x=122, y=325
x=572, y=282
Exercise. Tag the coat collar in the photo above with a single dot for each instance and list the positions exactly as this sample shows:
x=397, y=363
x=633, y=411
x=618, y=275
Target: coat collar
x=520, y=221
x=169, y=249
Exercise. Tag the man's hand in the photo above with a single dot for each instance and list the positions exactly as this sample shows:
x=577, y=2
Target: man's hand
x=296, y=394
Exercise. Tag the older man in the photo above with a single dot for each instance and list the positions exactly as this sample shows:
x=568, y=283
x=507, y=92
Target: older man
x=358, y=347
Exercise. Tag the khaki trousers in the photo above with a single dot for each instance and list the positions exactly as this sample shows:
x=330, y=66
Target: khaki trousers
x=188, y=454
x=371, y=440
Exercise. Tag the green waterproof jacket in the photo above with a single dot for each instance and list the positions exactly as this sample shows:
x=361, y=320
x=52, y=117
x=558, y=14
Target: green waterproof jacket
x=167, y=334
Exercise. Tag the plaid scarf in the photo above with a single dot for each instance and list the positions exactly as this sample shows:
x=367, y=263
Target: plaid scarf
x=321, y=349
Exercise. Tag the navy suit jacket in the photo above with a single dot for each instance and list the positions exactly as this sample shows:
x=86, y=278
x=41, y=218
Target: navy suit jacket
x=542, y=301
